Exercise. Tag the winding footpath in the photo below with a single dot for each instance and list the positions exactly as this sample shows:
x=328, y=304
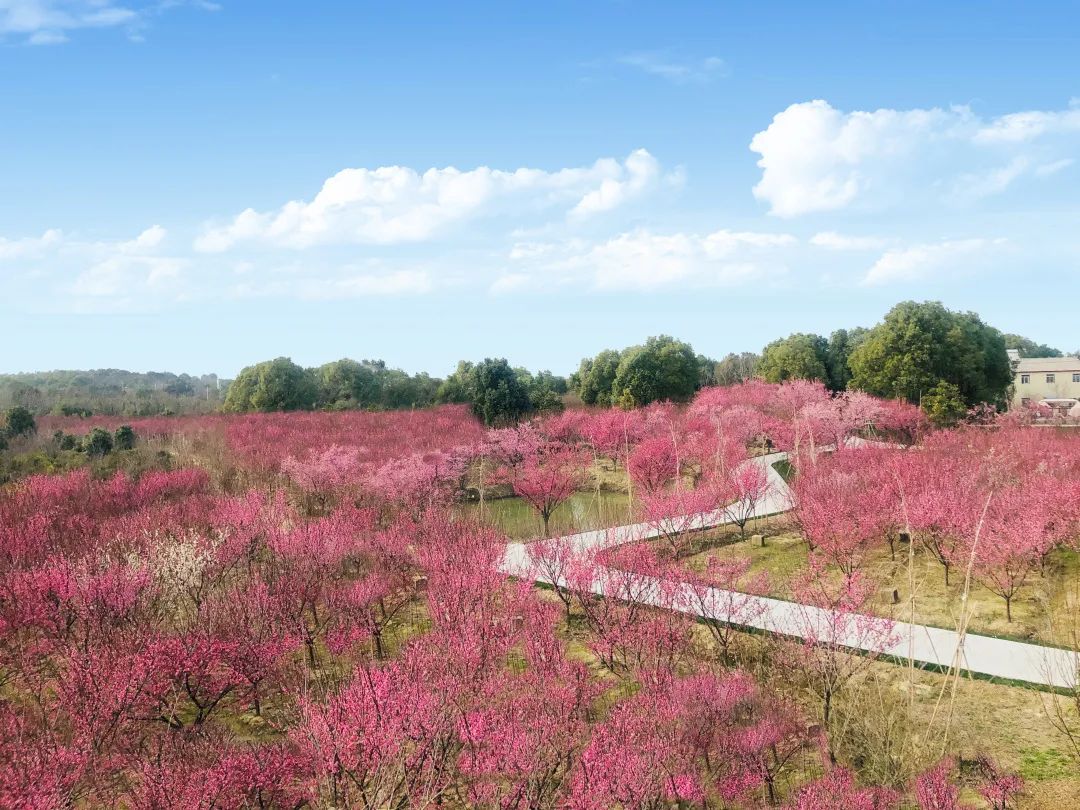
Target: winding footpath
x=935, y=647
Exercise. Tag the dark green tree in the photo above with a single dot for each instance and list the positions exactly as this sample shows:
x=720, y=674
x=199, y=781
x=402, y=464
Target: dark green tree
x=273, y=385
x=20, y=422
x=458, y=387
x=346, y=383
x=662, y=369
x=920, y=345
x=595, y=377
x=1028, y=347
x=124, y=438
x=706, y=371
x=797, y=357
x=497, y=394
x=842, y=343
x=545, y=390
x=98, y=442
x=944, y=404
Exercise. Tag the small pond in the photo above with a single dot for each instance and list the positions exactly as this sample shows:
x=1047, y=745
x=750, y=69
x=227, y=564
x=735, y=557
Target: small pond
x=582, y=512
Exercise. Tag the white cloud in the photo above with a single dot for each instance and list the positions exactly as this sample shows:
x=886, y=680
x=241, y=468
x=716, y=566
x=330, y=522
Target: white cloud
x=919, y=262
x=127, y=278
x=643, y=260
x=48, y=22
x=974, y=185
x=679, y=71
x=1047, y=169
x=816, y=158
x=81, y=273
x=831, y=240
x=396, y=204
x=1027, y=126
x=29, y=246
x=641, y=173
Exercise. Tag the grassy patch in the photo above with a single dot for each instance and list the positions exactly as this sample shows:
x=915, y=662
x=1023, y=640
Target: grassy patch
x=785, y=468
x=1041, y=764
x=1041, y=606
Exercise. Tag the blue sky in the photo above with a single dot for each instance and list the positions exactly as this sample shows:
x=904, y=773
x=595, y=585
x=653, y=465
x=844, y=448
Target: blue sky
x=196, y=186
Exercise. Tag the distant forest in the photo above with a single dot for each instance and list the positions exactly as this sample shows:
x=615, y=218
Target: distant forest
x=112, y=392
x=921, y=352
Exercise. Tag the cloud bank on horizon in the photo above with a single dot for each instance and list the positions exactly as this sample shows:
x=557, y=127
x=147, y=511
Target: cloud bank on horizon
x=588, y=227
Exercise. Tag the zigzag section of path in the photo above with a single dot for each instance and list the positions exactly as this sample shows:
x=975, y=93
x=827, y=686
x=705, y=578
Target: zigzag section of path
x=926, y=646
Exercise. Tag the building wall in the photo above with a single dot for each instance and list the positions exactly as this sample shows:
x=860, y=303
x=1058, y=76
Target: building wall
x=1037, y=388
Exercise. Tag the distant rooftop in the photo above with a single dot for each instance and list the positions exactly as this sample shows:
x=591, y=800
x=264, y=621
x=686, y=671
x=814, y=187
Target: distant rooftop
x=1037, y=364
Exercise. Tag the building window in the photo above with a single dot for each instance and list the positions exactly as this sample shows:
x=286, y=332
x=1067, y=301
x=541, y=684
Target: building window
x=1050, y=378
x=1076, y=378
x=1025, y=379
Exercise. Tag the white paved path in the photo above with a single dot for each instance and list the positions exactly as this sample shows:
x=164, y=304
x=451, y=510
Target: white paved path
x=937, y=647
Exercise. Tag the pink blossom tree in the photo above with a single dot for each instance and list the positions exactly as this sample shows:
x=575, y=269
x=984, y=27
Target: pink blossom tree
x=676, y=513
x=837, y=790
x=830, y=626
x=546, y=478
x=743, y=490
x=724, y=594
x=935, y=788
x=654, y=463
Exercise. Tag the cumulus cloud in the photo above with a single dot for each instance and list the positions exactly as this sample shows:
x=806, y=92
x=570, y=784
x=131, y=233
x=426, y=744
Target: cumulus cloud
x=644, y=260
x=917, y=262
x=816, y=158
x=397, y=204
x=49, y=22
x=678, y=71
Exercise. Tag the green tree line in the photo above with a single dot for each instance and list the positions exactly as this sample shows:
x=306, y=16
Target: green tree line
x=921, y=351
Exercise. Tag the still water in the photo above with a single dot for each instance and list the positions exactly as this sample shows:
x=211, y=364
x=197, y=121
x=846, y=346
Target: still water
x=582, y=512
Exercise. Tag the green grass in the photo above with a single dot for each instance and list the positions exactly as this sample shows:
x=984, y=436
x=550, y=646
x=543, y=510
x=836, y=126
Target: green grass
x=1038, y=765
x=785, y=468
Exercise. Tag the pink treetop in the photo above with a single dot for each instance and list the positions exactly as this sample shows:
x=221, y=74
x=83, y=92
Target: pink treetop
x=324, y=471
x=418, y=482
x=612, y=431
x=512, y=446
x=837, y=790
x=756, y=394
x=654, y=462
x=844, y=507
x=676, y=513
x=725, y=593
x=676, y=740
x=900, y=420
x=546, y=478
x=741, y=489
x=935, y=789
x=997, y=786
x=523, y=734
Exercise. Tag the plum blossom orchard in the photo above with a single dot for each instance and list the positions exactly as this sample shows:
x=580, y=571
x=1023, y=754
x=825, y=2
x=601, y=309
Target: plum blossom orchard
x=300, y=615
